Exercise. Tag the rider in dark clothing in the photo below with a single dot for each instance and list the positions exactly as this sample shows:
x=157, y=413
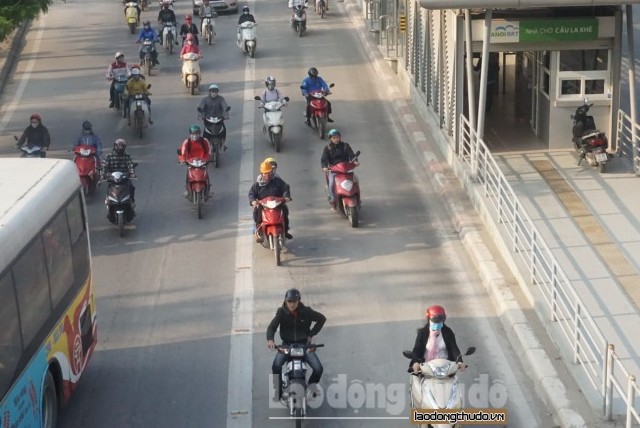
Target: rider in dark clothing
x=246, y=16
x=36, y=134
x=268, y=184
x=165, y=16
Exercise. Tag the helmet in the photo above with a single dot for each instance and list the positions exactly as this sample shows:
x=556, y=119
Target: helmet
x=36, y=116
x=270, y=82
x=147, y=23
x=194, y=129
x=435, y=313
x=118, y=55
x=245, y=10
x=313, y=72
x=135, y=71
x=214, y=87
x=165, y=5
x=292, y=294
x=271, y=161
x=119, y=146
x=333, y=132
x=266, y=167
x=187, y=17
x=86, y=125
x=190, y=37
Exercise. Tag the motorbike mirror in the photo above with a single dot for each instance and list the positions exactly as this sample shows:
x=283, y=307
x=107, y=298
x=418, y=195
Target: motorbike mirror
x=407, y=354
x=356, y=154
x=228, y=108
x=16, y=138
x=135, y=164
x=332, y=85
x=586, y=100
x=149, y=86
x=286, y=99
x=470, y=350
x=178, y=152
x=257, y=98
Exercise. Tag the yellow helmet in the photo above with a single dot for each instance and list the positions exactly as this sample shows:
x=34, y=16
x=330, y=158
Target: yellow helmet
x=266, y=167
x=272, y=161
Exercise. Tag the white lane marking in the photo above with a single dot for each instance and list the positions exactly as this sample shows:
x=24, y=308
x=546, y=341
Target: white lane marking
x=240, y=384
x=11, y=108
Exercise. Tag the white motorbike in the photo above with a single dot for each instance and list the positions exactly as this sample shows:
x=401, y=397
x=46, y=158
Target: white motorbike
x=169, y=33
x=191, y=71
x=273, y=120
x=247, y=38
x=208, y=30
x=169, y=2
x=436, y=386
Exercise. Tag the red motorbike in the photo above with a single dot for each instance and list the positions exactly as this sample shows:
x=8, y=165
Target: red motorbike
x=197, y=183
x=271, y=230
x=84, y=156
x=319, y=111
x=346, y=189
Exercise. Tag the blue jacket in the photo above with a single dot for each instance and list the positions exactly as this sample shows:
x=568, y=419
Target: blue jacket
x=311, y=84
x=91, y=140
x=149, y=34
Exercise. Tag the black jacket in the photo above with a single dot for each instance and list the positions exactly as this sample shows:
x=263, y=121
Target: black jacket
x=167, y=15
x=275, y=187
x=421, y=344
x=336, y=153
x=295, y=328
x=38, y=136
x=245, y=18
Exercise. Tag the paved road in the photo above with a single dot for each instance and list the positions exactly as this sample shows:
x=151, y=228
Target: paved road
x=183, y=304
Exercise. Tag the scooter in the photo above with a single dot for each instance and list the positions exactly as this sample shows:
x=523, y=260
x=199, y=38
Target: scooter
x=436, y=386
x=299, y=19
x=191, y=71
x=31, y=152
x=247, y=38
x=208, y=27
x=273, y=120
x=271, y=229
x=84, y=156
x=131, y=16
x=169, y=36
x=590, y=143
x=146, y=56
x=216, y=132
x=293, y=380
x=120, y=99
x=197, y=182
x=139, y=115
x=120, y=208
x=321, y=7
x=346, y=189
x=169, y=2
x=320, y=111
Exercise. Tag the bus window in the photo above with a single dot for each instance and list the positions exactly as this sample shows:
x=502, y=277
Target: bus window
x=10, y=346
x=30, y=275
x=57, y=248
x=76, y=219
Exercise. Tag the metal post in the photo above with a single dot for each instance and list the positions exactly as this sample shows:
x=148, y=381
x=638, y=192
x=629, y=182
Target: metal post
x=471, y=93
x=632, y=380
x=394, y=29
x=383, y=20
x=576, y=335
x=632, y=88
x=609, y=389
x=483, y=73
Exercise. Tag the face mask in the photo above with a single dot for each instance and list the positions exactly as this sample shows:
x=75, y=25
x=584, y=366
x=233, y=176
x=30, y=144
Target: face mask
x=34, y=125
x=190, y=42
x=87, y=131
x=213, y=94
x=436, y=326
x=146, y=27
x=194, y=137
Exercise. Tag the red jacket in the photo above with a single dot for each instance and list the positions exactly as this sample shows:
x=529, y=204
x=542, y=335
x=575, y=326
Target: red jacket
x=195, y=149
x=187, y=48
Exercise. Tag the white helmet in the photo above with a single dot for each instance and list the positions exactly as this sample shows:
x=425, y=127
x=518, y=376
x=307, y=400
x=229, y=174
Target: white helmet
x=135, y=72
x=118, y=55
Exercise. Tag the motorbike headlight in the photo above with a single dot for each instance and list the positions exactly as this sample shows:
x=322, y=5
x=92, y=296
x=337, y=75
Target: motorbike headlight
x=440, y=371
x=297, y=352
x=85, y=152
x=347, y=185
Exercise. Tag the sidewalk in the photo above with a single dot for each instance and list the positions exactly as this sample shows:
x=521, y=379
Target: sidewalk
x=9, y=49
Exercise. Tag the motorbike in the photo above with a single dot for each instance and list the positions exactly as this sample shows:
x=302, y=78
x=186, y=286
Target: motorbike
x=120, y=208
x=273, y=120
x=293, y=379
x=169, y=2
x=271, y=229
x=139, y=115
x=169, y=36
x=120, y=99
x=247, y=40
x=131, y=16
x=590, y=142
x=320, y=111
x=143, y=4
x=216, y=132
x=197, y=179
x=321, y=7
x=191, y=71
x=436, y=386
x=146, y=56
x=299, y=19
x=31, y=152
x=208, y=27
x=84, y=156
x=346, y=189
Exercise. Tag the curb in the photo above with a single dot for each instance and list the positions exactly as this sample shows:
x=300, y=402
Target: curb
x=17, y=40
x=512, y=317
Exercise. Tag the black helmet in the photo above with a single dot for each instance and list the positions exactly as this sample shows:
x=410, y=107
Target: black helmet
x=292, y=294
x=313, y=72
x=86, y=126
x=245, y=10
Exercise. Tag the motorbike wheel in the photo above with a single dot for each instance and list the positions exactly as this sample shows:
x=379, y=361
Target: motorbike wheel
x=322, y=126
x=300, y=30
x=352, y=214
x=192, y=88
x=209, y=36
x=276, y=140
x=132, y=27
x=298, y=416
x=139, y=124
x=601, y=167
x=170, y=43
x=121, y=224
x=146, y=65
x=198, y=199
x=252, y=52
x=276, y=244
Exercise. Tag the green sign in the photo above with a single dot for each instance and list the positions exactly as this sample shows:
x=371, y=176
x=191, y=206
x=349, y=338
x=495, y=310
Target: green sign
x=558, y=30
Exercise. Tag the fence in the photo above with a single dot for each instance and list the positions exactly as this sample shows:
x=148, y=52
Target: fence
x=624, y=141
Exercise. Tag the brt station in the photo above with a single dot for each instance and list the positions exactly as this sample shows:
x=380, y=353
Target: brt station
x=545, y=58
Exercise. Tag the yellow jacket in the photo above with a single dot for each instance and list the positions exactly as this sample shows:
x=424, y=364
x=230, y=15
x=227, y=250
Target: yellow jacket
x=138, y=86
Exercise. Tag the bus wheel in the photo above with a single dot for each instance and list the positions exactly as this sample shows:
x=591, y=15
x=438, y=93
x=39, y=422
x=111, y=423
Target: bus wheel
x=49, y=402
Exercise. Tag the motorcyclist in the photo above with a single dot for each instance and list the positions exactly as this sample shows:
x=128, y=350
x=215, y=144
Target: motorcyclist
x=166, y=16
x=196, y=146
x=190, y=46
x=246, y=16
x=312, y=83
x=214, y=105
x=189, y=28
x=120, y=161
x=137, y=6
x=89, y=138
x=36, y=134
x=271, y=93
x=435, y=340
x=335, y=152
x=115, y=69
x=274, y=165
x=136, y=85
x=295, y=3
x=148, y=33
x=294, y=320
x=206, y=8
x=268, y=184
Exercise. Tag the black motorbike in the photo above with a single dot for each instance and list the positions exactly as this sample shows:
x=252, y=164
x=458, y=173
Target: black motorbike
x=147, y=53
x=293, y=379
x=590, y=142
x=216, y=132
x=120, y=207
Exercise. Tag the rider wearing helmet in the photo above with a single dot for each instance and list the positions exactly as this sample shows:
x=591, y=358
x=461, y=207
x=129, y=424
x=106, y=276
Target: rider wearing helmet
x=195, y=146
x=119, y=160
x=36, y=134
x=214, y=105
x=89, y=138
x=137, y=85
x=246, y=16
x=335, y=152
x=313, y=83
x=189, y=28
x=269, y=184
x=166, y=16
x=206, y=8
x=148, y=33
x=115, y=69
x=294, y=320
x=137, y=6
x=274, y=166
x=190, y=46
x=435, y=340
x=271, y=93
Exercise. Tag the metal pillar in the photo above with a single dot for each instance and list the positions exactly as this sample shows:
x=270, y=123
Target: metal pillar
x=632, y=87
x=482, y=101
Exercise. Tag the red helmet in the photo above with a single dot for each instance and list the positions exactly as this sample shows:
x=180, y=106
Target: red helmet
x=435, y=313
x=36, y=116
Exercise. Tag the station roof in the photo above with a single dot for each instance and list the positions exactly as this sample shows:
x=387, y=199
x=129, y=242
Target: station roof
x=519, y=4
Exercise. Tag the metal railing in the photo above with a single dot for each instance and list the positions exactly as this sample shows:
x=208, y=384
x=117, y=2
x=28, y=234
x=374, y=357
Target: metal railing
x=588, y=347
x=624, y=141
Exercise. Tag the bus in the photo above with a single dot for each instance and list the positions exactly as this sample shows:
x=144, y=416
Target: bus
x=47, y=309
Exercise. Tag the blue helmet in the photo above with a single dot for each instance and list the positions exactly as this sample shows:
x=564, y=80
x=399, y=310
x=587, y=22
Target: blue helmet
x=333, y=132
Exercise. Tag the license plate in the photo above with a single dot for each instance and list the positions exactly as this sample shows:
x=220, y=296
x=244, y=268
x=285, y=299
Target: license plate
x=601, y=157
